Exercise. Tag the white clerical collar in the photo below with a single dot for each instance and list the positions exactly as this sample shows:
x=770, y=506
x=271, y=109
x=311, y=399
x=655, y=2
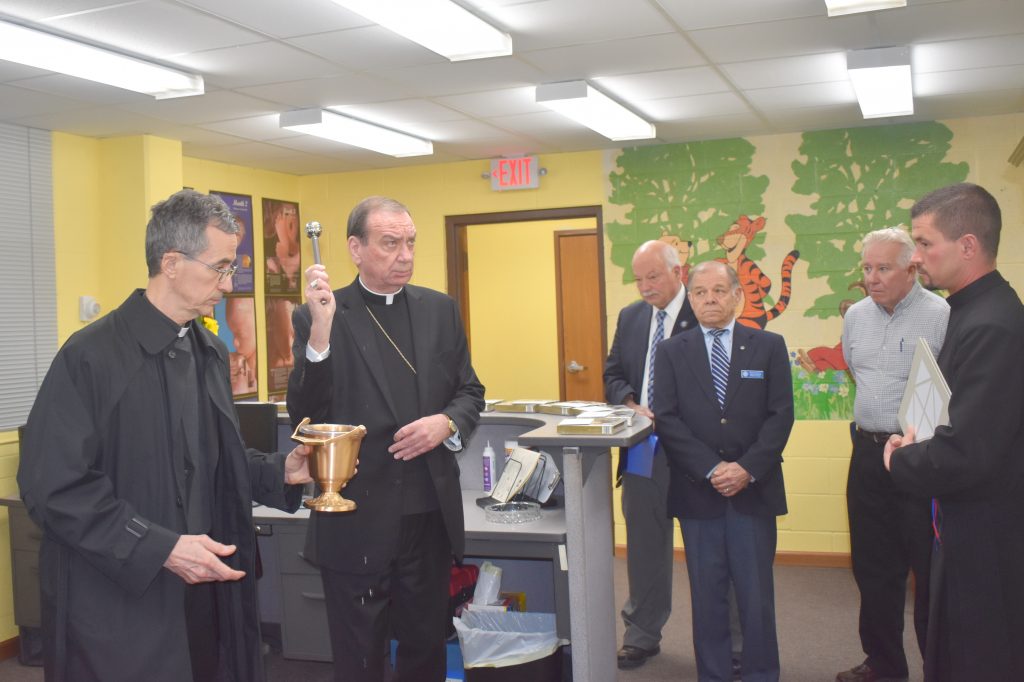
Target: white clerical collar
x=388, y=298
x=183, y=331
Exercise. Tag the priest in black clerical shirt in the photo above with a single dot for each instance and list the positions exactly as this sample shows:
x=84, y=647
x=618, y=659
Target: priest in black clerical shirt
x=133, y=465
x=392, y=357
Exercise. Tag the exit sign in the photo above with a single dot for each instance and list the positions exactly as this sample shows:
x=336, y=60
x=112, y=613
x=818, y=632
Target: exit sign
x=518, y=173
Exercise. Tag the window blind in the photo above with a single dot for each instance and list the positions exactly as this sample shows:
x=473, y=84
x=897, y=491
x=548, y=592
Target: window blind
x=28, y=297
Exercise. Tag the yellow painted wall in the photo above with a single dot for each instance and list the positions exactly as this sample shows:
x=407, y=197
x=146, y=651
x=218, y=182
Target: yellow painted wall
x=513, y=310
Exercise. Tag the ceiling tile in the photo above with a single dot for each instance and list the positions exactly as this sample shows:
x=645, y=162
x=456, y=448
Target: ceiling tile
x=639, y=87
x=213, y=106
x=614, y=57
x=954, y=55
x=233, y=67
x=800, y=96
x=130, y=26
x=771, y=73
x=968, y=80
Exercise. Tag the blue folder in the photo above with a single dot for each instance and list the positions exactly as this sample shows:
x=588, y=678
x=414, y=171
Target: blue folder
x=640, y=457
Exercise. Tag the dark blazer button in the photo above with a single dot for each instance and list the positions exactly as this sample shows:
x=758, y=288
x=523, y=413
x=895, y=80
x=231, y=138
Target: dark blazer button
x=178, y=501
x=171, y=354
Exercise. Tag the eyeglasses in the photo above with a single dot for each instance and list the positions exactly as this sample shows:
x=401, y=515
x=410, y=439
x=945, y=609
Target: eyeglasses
x=221, y=272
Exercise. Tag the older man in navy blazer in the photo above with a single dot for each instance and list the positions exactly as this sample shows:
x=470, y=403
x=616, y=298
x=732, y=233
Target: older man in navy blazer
x=662, y=312
x=724, y=408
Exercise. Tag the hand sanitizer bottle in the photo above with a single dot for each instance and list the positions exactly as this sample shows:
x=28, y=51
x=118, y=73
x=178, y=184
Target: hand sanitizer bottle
x=488, y=458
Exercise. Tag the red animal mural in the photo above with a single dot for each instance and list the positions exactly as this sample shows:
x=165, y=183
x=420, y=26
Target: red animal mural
x=754, y=282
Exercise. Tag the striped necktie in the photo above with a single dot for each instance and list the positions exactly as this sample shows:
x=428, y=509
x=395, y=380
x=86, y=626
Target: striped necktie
x=659, y=334
x=719, y=365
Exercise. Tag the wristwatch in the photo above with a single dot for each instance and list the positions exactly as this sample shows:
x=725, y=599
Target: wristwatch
x=452, y=428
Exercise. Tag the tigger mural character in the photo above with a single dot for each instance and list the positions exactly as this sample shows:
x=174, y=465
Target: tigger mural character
x=756, y=285
x=683, y=249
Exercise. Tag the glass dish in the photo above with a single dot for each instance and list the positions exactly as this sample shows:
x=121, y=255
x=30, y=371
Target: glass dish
x=512, y=512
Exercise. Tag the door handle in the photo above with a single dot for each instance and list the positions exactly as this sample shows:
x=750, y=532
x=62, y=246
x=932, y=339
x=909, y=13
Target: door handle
x=574, y=367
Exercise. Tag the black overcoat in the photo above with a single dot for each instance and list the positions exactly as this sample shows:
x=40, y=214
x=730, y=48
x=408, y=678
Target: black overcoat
x=97, y=475
x=975, y=469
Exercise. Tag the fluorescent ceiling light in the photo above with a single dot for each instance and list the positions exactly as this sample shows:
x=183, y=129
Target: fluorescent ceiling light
x=882, y=80
x=582, y=103
x=54, y=53
x=332, y=126
x=439, y=25
x=838, y=8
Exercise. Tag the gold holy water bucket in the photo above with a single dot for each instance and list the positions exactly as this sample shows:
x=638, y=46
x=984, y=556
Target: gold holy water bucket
x=332, y=462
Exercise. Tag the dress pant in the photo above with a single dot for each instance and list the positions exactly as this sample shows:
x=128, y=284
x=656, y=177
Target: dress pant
x=408, y=600
x=890, y=534
x=741, y=549
x=649, y=555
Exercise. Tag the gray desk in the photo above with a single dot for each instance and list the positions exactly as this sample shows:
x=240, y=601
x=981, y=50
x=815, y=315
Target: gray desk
x=585, y=463
x=533, y=556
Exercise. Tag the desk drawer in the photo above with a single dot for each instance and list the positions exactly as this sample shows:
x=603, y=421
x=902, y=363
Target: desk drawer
x=304, y=631
x=25, y=534
x=291, y=546
x=26, y=593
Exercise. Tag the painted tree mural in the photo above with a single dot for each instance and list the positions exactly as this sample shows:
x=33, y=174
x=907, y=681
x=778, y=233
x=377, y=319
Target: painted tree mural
x=864, y=179
x=690, y=194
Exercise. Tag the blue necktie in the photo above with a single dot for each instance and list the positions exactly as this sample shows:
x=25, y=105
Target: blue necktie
x=659, y=334
x=719, y=365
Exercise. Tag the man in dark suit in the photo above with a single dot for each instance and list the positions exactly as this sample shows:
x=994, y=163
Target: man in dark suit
x=724, y=406
x=393, y=357
x=973, y=468
x=628, y=376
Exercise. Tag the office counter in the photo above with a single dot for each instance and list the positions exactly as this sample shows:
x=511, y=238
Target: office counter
x=563, y=561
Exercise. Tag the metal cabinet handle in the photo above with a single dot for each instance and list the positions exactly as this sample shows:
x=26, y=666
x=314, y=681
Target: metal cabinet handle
x=312, y=595
x=574, y=367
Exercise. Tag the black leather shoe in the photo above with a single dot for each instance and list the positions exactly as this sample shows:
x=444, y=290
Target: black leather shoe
x=631, y=657
x=737, y=669
x=863, y=673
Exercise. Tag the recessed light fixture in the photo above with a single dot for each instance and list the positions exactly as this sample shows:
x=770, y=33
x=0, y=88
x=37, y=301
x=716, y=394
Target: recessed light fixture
x=581, y=102
x=882, y=79
x=352, y=131
x=837, y=8
x=55, y=53
x=448, y=29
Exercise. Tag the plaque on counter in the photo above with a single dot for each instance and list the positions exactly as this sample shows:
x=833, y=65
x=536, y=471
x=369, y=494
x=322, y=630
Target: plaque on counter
x=591, y=426
x=567, y=408
x=529, y=406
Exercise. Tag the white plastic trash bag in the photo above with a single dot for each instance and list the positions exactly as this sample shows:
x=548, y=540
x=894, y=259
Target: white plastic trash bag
x=496, y=639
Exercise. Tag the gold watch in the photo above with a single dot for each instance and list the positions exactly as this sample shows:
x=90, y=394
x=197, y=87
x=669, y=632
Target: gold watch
x=452, y=428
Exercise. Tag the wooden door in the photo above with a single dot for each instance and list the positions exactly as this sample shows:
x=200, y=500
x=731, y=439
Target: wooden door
x=581, y=347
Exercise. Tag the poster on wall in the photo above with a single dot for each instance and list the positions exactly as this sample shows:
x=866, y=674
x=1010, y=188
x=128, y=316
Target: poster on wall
x=236, y=327
x=279, y=342
x=281, y=246
x=244, y=279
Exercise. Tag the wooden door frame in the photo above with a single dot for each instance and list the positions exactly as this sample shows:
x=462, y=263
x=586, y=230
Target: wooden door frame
x=457, y=265
x=581, y=232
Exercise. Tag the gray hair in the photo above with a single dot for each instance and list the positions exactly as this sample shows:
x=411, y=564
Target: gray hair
x=361, y=214
x=734, y=279
x=179, y=223
x=891, y=235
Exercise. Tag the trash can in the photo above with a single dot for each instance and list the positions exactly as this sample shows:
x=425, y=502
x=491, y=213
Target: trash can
x=507, y=646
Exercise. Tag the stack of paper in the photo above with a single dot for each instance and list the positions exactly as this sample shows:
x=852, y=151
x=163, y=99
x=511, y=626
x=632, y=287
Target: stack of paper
x=594, y=426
